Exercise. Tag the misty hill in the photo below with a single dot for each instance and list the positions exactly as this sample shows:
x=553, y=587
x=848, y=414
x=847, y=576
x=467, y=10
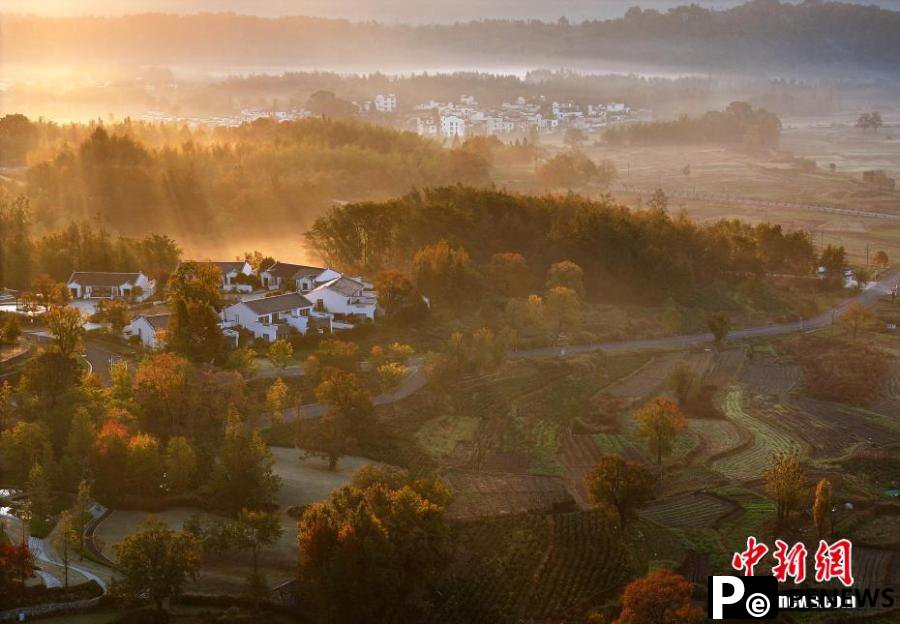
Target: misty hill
x=763, y=34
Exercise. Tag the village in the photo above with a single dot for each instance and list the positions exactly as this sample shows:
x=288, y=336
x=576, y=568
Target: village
x=463, y=118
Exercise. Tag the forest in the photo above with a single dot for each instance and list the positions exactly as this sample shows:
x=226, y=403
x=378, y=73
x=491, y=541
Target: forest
x=738, y=125
x=809, y=34
x=647, y=254
x=132, y=176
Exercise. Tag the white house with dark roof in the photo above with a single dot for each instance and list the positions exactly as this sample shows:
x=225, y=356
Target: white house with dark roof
x=231, y=275
x=106, y=285
x=299, y=277
x=149, y=328
x=346, y=297
x=270, y=317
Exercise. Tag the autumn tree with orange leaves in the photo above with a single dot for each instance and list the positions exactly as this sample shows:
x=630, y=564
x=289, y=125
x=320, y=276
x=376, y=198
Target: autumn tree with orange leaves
x=660, y=597
x=658, y=424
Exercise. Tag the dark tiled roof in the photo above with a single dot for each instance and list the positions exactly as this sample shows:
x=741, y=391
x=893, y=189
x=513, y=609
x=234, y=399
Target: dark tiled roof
x=157, y=321
x=344, y=285
x=99, y=278
x=278, y=303
x=293, y=271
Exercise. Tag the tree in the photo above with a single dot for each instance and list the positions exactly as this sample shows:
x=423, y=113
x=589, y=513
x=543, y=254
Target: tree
x=719, y=325
x=144, y=465
x=572, y=170
x=684, y=384
x=67, y=327
x=349, y=417
x=242, y=360
x=509, y=274
x=16, y=566
x=398, y=296
x=658, y=424
x=276, y=401
x=444, y=273
x=660, y=597
x=658, y=202
x=21, y=447
x=7, y=407
x=568, y=275
x=242, y=476
x=822, y=508
x=79, y=446
x=40, y=494
x=116, y=313
x=180, y=464
x=786, y=484
x=622, y=484
x=280, y=353
x=11, y=330
x=574, y=137
x=154, y=563
x=194, y=298
x=856, y=317
x=881, y=259
x=65, y=540
x=834, y=259
x=163, y=393
x=80, y=514
x=863, y=277
x=258, y=529
x=563, y=307
x=390, y=376
x=382, y=539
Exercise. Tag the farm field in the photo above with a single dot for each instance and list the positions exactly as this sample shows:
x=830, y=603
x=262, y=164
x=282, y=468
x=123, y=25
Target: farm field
x=747, y=464
x=695, y=510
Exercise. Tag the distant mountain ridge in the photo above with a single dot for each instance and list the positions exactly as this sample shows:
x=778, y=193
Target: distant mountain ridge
x=764, y=33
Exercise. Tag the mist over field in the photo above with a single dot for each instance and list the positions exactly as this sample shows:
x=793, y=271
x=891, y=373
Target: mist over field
x=470, y=312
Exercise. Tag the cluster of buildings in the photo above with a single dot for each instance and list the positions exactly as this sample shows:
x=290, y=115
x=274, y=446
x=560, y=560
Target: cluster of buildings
x=523, y=116
x=270, y=304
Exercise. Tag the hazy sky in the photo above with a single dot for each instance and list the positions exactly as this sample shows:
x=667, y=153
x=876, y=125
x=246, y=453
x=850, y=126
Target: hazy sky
x=384, y=10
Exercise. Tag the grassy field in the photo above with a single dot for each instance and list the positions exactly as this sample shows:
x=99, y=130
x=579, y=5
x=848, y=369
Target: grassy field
x=304, y=481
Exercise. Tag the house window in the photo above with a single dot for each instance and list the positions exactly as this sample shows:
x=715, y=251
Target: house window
x=320, y=305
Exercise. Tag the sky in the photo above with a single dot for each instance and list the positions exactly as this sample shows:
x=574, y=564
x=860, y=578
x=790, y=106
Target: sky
x=410, y=11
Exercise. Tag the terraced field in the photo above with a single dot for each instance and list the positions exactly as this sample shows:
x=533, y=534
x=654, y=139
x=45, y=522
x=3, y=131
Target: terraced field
x=872, y=567
x=651, y=379
x=769, y=377
x=716, y=437
x=836, y=427
x=694, y=510
x=749, y=463
x=480, y=495
x=535, y=568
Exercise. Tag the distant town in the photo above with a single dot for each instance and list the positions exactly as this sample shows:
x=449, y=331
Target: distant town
x=448, y=120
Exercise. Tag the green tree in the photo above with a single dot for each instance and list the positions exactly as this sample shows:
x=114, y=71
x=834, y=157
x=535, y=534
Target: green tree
x=79, y=447
x=280, y=353
x=67, y=327
x=564, y=308
x=11, y=330
x=144, y=465
x=349, y=417
x=116, y=313
x=155, y=563
x=242, y=476
x=242, y=360
x=194, y=298
x=659, y=422
x=120, y=381
x=572, y=170
x=619, y=483
x=80, y=514
x=7, y=407
x=180, y=464
x=164, y=394
x=258, y=529
x=21, y=447
x=40, y=494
